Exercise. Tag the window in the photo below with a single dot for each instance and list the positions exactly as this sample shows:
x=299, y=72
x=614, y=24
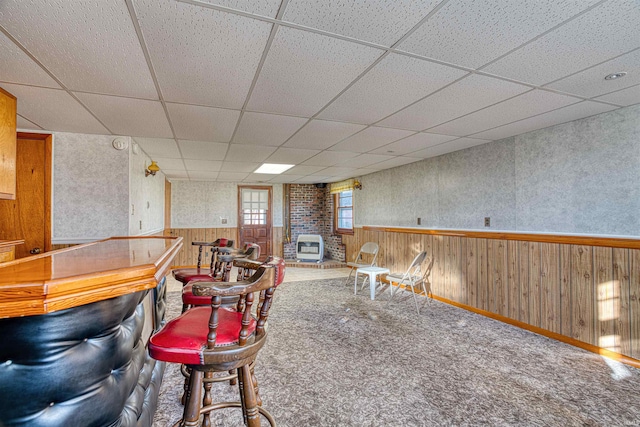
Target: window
x=343, y=212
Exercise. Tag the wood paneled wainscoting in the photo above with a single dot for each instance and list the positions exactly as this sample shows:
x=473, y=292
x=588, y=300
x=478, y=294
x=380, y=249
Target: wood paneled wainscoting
x=188, y=256
x=581, y=290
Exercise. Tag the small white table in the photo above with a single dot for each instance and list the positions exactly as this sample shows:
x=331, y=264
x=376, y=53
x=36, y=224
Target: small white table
x=373, y=273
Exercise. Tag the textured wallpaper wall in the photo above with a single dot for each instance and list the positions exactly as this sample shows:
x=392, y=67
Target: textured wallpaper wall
x=578, y=177
x=146, y=197
x=203, y=204
x=90, y=188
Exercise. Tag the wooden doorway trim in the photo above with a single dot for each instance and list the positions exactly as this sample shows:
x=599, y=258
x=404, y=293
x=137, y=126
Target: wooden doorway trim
x=47, y=138
x=266, y=251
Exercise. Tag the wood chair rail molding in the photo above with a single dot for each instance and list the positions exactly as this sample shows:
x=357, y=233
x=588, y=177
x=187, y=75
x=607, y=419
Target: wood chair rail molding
x=611, y=242
x=83, y=274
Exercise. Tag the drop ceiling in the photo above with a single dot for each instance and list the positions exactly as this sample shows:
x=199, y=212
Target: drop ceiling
x=210, y=89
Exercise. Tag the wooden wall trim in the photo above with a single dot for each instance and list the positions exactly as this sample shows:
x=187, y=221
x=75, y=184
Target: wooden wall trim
x=544, y=332
x=611, y=242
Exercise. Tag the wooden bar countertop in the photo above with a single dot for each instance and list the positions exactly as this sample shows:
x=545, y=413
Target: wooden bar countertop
x=84, y=274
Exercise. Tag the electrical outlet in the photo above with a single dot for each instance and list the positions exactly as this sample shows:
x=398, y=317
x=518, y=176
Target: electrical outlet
x=224, y=220
x=487, y=221
x=419, y=221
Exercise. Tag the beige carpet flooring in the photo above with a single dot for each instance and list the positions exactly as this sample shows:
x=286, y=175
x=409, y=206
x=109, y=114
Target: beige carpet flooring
x=335, y=359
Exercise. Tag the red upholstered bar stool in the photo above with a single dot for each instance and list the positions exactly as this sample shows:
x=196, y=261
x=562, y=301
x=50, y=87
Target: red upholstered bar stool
x=185, y=275
x=218, y=339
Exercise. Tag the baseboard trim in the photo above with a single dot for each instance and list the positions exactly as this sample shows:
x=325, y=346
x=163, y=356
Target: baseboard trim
x=549, y=334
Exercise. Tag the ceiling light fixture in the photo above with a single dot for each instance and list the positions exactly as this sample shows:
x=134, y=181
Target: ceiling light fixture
x=273, y=168
x=616, y=75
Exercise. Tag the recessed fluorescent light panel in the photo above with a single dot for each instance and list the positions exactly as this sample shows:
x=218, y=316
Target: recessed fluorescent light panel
x=273, y=168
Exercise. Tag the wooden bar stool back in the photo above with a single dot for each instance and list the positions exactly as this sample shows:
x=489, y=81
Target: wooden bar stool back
x=218, y=339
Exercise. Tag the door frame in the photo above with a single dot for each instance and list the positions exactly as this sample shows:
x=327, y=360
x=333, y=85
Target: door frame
x=269, y=188
x=47, y=139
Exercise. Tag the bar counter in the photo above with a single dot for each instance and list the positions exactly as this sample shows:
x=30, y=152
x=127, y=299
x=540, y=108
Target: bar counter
x=74, y=324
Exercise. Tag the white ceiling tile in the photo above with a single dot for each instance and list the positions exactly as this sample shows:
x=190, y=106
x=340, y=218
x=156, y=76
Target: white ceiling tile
x=54, y=110
x=467, y=95
x=178, y=173
x=239, y=166
x=562, y=115
x=378, y=21
x=329, y=158
x=591, y=82
x=91, y=46
x=304, y=71
x=202, y=56
x=285, y=179
x=203, y=123
x=335, y=170
x=231, y=176
x=17, y=67
x=472, y=33
x=291, y=155
x=449, y=147
x=266, y=129
x=600, y=34
x=159, y=147
x=520, y=107
x=624, y=97
x=128, y=116
x=203, y=175
x=202, y=165
x=304, y=170
x=392, y=84
x=412, y=143
x=370, y=139
x=366, y=171
x=203, y=150
x=248, y=153
x=259, y=177
x=258, y=7
x=395, y=162
x=312, y=179
x=364, y=160
x=322, y=134
x=23, y=123
x=170, y=164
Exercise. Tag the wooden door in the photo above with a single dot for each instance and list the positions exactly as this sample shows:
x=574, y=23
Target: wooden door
x=254, y=217
x=28, y=217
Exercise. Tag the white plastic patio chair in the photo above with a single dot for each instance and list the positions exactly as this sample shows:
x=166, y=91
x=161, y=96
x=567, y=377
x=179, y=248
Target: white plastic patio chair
x=413, y=277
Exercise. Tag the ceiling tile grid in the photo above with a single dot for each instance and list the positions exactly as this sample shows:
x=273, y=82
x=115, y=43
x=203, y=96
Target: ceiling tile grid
x=304, y=71
x=623, y=97
x=393, y=83
x=203, y=150
x=378, y=21
x=266, y=129
x=159, y=147
x=199, y=123
x=322, y=134
x=467, y=95
x=591, y=82
x=517, y=108
x=328, y=96
x=370, y=138
x=201, y=56
x=561, y=115
x=129, y=116
x=17, y=67
x=54, y=110
x=600, y=34
x=90, y=46
x=472, y=33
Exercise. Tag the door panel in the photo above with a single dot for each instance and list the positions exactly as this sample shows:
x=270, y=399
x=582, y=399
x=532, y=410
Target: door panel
x=254, y=217
x=27, y=217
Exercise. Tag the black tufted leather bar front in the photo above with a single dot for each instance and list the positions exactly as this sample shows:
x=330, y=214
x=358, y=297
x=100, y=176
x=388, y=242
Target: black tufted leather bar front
x=84, y=366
